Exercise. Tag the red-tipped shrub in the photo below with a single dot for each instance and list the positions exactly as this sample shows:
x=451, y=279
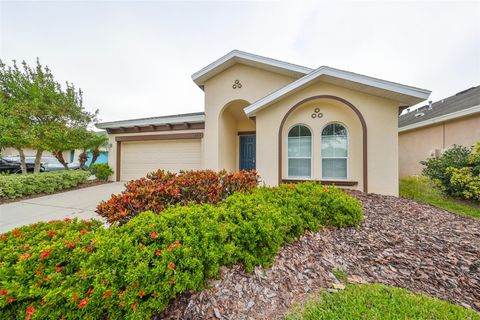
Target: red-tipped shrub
x=161, y=188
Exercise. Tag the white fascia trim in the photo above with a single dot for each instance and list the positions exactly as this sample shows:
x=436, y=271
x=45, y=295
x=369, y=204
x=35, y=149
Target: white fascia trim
x=251, y=57
x=150, y=122
x=341, y=74
x=439, y=119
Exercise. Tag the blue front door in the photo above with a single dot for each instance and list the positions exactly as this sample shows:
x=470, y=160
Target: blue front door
x=247, y=152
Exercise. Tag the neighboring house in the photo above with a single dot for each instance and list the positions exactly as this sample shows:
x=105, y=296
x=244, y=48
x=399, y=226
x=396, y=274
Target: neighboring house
x=433, y=128
x=69, y=156
x=29, y=153
x=289, y=122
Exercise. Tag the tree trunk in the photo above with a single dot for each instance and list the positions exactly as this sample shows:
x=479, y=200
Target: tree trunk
x=95, y=154
x=38, y=159
x=60, y=158
x=82, y=158
x=23, y=164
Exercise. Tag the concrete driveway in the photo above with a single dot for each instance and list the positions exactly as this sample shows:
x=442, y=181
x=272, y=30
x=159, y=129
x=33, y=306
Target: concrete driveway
x=79, y=203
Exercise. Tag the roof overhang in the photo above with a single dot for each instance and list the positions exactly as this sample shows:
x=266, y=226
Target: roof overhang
x=187, y=118
x=442, y=118
x=237, y=56
x=404, y=94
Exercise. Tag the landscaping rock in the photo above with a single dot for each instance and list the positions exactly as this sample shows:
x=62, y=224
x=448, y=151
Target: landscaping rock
x=400, y=243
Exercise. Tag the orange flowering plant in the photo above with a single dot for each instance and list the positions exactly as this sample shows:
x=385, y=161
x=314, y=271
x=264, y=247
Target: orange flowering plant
x=161, y=189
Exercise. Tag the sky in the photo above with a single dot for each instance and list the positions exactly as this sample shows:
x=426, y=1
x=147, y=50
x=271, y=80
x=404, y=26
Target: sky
x=134, y=59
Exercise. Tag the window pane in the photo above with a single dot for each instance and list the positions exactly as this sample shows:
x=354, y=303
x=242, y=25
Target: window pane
x=328, y=130
x=300, y=147
x=334, y=168
x=299, y=168
x=304, y=131
x=293, y=148
x=334, y=146
x=305, y=144
x=328, y=146
x=340, y=145
x=294, y=132
x=340, y=130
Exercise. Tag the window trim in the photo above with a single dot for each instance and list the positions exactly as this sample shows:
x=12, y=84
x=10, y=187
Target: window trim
x=312, y=138
x=347, y=157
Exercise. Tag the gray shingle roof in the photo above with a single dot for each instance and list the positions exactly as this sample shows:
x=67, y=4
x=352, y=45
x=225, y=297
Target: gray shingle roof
x=175, y=118
x=460, y=101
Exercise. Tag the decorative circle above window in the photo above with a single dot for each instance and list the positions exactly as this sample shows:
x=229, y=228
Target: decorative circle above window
x=316, y=113
x=237, y=84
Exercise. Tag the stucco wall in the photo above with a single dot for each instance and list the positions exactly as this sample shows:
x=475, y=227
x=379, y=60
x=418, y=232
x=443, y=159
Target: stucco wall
x=381, y=116
x=227, y=139
x=419, y=144
x=256, y=84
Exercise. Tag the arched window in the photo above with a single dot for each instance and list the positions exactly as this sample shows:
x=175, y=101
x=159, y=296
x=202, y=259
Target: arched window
x=299, y=152
x=334, y=151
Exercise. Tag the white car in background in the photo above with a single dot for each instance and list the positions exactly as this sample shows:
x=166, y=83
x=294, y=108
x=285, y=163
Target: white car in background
x=47, y=164
x=52, y=164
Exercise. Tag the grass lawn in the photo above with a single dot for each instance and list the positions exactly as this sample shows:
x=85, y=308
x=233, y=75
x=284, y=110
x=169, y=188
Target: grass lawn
x=423, y=190
x=377, y=301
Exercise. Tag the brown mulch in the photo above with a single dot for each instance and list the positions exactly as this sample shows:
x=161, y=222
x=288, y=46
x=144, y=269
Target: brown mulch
x=90, y=183
x=400, y=243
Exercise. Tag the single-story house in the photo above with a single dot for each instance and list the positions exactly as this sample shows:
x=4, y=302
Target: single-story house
x=431, y=129
x=69, y=156
x=9, y=152
x=289, y=122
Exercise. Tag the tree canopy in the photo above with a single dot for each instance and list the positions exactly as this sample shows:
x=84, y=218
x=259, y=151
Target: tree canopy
x=38, y=113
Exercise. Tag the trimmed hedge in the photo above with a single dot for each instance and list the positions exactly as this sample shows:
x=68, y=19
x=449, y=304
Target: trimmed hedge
x=19, y=185
x=161, y=189
x=79, y=270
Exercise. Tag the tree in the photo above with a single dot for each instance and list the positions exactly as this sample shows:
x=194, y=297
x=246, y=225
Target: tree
x=66, y=139
x=92, y=142
x=99, y=140
x=49, y=114
x=13, y=133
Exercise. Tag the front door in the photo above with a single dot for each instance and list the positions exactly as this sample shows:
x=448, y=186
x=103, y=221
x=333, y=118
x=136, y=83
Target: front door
x=247, y=151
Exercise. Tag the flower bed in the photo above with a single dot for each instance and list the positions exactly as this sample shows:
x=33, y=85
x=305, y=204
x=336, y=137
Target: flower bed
x=19, y=185
x=161, y=189
x=79, y=270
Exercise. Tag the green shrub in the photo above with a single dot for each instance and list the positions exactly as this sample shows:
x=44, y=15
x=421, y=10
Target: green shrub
x=101, y=170
x=465, y=183
x=18, y=185
x=132, y=271
x=436, y=167
x=270, y=217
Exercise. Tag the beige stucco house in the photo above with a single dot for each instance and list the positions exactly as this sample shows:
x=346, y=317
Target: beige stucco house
x=429, y=130
x=289, y=122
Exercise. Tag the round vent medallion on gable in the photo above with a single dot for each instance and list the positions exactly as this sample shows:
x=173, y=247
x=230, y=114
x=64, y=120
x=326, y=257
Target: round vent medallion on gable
x=316, y=113
x=237, y=84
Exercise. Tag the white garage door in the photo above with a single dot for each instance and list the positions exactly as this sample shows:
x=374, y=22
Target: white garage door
x=141, y=157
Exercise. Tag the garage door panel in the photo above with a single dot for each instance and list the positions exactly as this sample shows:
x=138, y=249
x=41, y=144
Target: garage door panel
x=140, y=157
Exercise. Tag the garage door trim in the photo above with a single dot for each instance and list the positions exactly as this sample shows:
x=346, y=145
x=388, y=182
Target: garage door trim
x=173, y=136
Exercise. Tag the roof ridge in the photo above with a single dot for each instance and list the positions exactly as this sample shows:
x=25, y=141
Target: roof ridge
x=416, y=92
x=219, y=65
